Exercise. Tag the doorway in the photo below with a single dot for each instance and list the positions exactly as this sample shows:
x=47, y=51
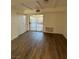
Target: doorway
x=36, y=23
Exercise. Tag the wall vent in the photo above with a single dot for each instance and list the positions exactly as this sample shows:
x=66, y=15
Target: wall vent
x=49, y=29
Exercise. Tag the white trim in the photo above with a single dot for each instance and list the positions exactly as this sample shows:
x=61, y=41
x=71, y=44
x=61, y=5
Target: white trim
x=12, y=38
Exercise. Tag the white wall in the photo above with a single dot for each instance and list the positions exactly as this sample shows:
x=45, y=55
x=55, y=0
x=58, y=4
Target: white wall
x=21, y=24
x=27, y=22
x=18, y=24
x=58, y=21
x=14, y=25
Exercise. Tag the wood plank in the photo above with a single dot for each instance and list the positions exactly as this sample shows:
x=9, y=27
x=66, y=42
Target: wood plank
x=38, y=45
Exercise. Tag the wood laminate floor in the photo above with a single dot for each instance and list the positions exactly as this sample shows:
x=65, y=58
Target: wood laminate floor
x=38, y=45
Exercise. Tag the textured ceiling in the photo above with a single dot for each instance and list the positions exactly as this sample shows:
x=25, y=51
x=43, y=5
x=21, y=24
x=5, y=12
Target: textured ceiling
x=23, y=5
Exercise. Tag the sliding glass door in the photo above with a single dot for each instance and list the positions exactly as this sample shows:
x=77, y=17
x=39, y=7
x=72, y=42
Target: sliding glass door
x=36, y=23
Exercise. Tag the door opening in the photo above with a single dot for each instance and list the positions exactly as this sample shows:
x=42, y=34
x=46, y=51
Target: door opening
x=36, y=23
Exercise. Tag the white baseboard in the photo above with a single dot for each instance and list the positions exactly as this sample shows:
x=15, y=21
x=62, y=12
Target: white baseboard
x=12, y=38
x=56, y=32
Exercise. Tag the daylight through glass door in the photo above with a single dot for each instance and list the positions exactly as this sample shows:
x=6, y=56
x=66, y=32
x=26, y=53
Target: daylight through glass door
x=36, y=23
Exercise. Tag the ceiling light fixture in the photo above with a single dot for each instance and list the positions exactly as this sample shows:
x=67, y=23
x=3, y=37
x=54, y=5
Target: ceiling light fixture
x=37, y=10
x=46, y=0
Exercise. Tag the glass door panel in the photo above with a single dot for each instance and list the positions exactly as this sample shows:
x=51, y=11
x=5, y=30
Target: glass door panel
x=36, y=23
x=39, y=27
x=33, y=26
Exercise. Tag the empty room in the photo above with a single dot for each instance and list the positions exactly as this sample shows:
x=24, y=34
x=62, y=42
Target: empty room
x=38, y=29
